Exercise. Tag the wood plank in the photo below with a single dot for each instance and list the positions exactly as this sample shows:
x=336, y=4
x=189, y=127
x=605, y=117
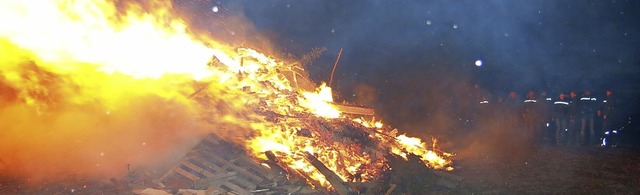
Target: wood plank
x=214, y=191
x=211, y=139
x=184, y=173
x=246, y=184
x=258, y=168
x=232, y=166
x=215, y=181
x=220, y=182
x=196, y=168
x=221, y=171
x=235, y=188
x=215, y=168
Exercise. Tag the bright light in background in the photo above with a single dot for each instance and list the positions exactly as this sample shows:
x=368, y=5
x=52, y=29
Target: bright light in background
x=478, y=62
x=214, y=9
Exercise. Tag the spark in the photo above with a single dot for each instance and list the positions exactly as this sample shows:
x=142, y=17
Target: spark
x=478, y=63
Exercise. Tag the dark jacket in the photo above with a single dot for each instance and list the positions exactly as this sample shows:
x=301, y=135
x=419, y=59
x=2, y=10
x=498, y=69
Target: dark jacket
x=561, y=108
x=588, y=106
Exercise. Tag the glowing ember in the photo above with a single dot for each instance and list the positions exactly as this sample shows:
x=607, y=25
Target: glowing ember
x=106, y=56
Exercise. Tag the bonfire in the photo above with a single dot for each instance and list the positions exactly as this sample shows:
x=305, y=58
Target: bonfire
x=86, y=52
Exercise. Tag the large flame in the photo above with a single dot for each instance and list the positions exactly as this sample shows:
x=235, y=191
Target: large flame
x=87, y=60
x=61, y=32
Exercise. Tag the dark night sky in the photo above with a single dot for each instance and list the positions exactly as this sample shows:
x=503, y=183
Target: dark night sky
x=523, y=44
x=402, y=50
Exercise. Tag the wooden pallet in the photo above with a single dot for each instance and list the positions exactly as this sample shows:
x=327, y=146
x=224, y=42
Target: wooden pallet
x=213, y=165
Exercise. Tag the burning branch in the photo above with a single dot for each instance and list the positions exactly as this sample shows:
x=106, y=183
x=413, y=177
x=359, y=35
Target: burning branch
x=334, y=67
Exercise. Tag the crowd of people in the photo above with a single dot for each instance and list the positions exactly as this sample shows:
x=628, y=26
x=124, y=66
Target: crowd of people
x=566, y=119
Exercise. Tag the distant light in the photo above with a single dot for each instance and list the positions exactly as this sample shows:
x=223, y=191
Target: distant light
x=478, y=62
x=215, y=9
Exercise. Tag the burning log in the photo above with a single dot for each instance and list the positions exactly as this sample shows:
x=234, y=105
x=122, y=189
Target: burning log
x=335, y=180
x=292, y=172
x=351, y=109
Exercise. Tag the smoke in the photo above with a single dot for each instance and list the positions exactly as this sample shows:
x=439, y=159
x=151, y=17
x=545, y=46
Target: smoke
x=84, y=123
x=47, y=135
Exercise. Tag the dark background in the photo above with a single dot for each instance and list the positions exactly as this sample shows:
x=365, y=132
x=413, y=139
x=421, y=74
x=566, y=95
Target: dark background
x=414, y=60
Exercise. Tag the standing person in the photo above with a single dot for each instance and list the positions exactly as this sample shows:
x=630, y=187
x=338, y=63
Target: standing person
x=607, y=112
x=574, y=104
x=548, y=129
x=561, y=117
x=531, y=118
x=484, y=117
x=587, y=108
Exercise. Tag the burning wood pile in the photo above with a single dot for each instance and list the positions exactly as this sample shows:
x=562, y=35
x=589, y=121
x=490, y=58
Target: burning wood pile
x=274, y=130
x=300, y=142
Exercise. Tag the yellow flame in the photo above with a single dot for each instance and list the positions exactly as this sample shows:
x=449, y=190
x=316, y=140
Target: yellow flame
x=88, y=31
x=319, y=103
x=415, y=146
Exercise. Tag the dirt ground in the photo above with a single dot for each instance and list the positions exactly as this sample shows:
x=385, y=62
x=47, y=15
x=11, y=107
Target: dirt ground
x=551, y=169
x=547, y=169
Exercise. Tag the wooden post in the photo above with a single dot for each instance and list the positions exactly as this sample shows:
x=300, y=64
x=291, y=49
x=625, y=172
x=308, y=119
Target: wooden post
x=334, y=179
